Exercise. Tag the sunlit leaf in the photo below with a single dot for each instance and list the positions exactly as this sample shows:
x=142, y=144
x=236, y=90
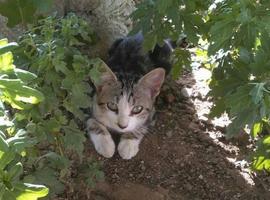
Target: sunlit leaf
x=28, y=191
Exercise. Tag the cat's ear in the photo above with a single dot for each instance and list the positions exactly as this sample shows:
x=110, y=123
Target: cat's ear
x=152, y=81
x=106, y=76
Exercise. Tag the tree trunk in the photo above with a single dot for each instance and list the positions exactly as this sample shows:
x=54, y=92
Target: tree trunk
x=108, y=18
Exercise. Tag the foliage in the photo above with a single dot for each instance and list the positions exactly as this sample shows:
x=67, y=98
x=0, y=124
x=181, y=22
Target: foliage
x=53, y=51
x=14, y=91
x=240, y=82
x=23, y=11
x=238, y=36
x=172, y=19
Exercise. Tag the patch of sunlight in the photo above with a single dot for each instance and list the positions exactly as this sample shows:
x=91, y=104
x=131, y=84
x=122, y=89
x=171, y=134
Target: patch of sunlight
x=245, y=172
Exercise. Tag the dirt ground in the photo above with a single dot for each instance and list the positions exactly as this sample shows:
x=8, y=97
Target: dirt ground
x=182, y=158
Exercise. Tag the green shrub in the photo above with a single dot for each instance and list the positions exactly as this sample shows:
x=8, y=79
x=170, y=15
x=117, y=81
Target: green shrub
x=15, y=92
x=238, y=37
x=53, y=51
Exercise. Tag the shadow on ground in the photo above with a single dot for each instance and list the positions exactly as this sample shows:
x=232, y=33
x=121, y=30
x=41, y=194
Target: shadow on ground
x=177, y=160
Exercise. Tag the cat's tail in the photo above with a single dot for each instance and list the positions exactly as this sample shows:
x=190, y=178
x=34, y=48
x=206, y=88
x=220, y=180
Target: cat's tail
x=162, y=55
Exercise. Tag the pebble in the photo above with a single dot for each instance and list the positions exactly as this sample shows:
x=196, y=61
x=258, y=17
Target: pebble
x=169, y=134
x=210, y=149
x=186, y=92
x=177, y=161
x=143, y=168
x=189, y=186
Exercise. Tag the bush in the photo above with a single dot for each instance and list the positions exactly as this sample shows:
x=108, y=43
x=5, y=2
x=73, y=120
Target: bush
x=238, y=36
x=15, y=92
x=51, y=61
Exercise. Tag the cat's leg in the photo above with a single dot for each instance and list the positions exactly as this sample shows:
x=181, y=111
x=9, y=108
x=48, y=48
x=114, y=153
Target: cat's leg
x=129, y=145
x=101, y=138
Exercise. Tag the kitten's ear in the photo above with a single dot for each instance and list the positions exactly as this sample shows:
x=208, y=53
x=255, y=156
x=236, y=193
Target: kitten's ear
x=153, y=81
x=106, y=77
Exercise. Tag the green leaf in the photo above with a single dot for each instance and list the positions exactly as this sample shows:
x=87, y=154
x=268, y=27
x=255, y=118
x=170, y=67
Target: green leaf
x=15, y=171
x=27, y=191
x=6, y=158
x=6, y=62
x=163, y=5
x=3, y=144
x=4, y=48
x=150, y=41
x=24, y=75
x=49, y=177
x=261, y=158
x=74, y=138
x=257, y=92
x=57, y=161
x=183, y=61
x=256, y=129
x=244, y=55
x=14, y=88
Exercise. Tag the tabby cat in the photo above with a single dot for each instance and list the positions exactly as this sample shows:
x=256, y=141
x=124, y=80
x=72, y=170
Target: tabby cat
x=125, y=95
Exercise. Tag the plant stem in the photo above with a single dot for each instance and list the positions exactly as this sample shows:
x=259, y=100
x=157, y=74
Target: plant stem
x=21, y=14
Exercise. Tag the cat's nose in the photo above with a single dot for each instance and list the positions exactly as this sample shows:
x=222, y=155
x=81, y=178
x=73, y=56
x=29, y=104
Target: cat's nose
x=122, y=126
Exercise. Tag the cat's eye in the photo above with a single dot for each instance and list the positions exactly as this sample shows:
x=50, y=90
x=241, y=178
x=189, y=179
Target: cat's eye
x=112, y=106
x=137, y=110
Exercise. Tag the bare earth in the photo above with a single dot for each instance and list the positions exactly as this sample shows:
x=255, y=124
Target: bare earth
x=178, y=160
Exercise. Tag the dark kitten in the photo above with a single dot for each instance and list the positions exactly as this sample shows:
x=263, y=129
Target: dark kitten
x=125, y=95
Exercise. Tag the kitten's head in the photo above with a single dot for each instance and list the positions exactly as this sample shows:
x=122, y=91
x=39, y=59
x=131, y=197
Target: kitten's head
x=123, y=105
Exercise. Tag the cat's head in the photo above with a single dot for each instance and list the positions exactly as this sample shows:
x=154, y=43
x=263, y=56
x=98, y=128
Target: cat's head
x=124, y=106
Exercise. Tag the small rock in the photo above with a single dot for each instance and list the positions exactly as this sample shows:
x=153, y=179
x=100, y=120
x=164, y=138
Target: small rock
x=169, y=134
x=189, y=186
x=143, y=168
x=210, y=149
x=177, y=161
x=186, y=92
x=201, y=177
x=115, y=176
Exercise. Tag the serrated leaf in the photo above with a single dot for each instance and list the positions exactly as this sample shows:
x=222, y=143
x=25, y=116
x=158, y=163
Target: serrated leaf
x=57, y=160
x=74, y=138
x=48, y=176
x=183, y=61
x=149, y=42
x=257, y=92
x=163, y=5
x=262, y=155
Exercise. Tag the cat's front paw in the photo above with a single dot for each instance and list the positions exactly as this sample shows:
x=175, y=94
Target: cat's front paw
x=128, y=148
x=104, y=144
